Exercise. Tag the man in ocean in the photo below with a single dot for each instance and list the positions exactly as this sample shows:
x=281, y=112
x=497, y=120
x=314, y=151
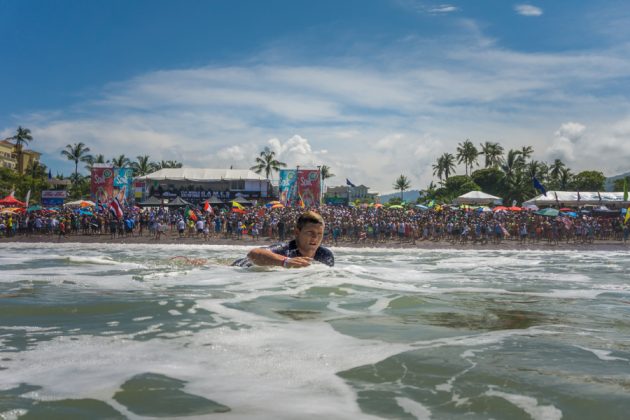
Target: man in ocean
x=300, y=252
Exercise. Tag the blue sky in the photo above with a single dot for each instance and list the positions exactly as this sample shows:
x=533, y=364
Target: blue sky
x=373, y=89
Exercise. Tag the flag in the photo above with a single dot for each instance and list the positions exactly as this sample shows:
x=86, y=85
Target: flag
x=300, y=202
x=28, y=197
x=625, y=220
x=349, y=183
x=539, y=186
x=116, y=208
x=237, y=205
x=625, y=189
x=189, y=214
x=208, y=208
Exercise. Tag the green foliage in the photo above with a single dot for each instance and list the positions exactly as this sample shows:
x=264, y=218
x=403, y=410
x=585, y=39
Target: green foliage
x=589, y=181
x=394, y=200
x=618, y=185
x=266, y=162
x=491, y=180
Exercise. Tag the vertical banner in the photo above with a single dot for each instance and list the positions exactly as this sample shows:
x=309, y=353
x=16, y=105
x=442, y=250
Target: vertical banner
x=123, y=180
x=287, y=186
x=102, y=184
x=309, y=187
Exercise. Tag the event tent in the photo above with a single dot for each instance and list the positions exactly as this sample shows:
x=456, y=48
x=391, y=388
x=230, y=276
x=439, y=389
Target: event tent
x=578, y=199
x=477, y=198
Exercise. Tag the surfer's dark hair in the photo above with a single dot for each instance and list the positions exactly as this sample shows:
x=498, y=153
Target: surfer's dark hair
x=309, y=217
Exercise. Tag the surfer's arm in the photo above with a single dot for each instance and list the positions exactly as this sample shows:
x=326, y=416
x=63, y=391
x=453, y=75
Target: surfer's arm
x=264, y=256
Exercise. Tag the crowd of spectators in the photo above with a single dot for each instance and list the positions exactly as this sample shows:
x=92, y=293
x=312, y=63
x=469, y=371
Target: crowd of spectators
x=344, y=225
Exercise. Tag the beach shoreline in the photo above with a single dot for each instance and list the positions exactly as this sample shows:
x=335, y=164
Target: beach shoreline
x=174, y=239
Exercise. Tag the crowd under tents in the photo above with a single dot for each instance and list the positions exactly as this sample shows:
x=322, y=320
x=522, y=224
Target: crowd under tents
x=612, y=200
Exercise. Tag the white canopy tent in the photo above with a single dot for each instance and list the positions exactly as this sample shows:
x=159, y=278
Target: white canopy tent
x=578, y=199
x=477, y=198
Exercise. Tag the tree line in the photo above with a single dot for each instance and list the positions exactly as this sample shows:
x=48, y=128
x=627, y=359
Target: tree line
x=506, y=175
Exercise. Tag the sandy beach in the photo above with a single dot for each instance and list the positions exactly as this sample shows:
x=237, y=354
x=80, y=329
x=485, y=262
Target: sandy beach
x=173, y=238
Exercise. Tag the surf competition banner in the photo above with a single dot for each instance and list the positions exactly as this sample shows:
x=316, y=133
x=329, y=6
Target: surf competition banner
x=53, y=198
x=123, y=181
x=102, y=183
x=309, y=187
x=287, y=186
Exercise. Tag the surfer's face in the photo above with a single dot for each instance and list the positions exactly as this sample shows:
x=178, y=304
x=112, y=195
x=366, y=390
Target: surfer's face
x=309, y=238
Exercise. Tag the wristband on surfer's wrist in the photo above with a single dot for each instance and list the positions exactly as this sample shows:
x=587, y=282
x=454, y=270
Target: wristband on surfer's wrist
x=284, y=262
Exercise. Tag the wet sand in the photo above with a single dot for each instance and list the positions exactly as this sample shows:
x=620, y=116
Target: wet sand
x=173, y=238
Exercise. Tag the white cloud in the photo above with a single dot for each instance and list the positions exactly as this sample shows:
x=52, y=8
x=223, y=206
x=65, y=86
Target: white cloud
x=443, y=8
x=528, y=10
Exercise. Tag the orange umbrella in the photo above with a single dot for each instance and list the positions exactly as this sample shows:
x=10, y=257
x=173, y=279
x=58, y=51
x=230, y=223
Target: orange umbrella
x=514, y=208
x=500, y=208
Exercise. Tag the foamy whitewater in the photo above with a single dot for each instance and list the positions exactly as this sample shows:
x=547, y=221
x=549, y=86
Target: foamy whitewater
x=125, y=331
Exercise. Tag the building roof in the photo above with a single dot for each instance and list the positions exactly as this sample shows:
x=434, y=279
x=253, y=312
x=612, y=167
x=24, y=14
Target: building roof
x=571, y=198
x=201, y=175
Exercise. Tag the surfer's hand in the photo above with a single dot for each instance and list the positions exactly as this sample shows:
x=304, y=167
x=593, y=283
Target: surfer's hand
x=298, y=262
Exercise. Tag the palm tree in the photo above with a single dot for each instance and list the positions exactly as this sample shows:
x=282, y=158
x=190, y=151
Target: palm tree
x=493, y=153
x=121, y=161
x=76, y=152
x=325, y=172
x=267, y=163
x=556, y=168
x=467, y=153
x=512, y=164
x=22, y=137
x=445, y=166
x=565, y=178
x=167, y=164
x=91, y=160
x=526, y=152
x=402, y=184
x=142, y=166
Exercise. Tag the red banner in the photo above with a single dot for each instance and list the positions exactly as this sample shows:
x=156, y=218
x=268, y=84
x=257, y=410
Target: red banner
x=309, y=187
x=102, y=185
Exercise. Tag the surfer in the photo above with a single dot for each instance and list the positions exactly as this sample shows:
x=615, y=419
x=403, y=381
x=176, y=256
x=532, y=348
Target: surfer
x=300, y=252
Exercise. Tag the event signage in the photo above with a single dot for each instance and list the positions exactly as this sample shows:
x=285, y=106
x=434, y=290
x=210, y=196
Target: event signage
x=309, y=187
x=53, y=198
x=102, y=184
x=123, y=181
x=300, y=186
x=287, y=186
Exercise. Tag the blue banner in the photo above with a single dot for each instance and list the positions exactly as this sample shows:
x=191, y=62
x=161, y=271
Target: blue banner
x=287, y=187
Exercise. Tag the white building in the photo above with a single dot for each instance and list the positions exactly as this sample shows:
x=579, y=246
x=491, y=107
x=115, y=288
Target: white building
x=197, y=184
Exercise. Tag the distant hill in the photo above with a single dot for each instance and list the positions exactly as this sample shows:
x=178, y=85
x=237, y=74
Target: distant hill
x=411, y=195
x=609, y=183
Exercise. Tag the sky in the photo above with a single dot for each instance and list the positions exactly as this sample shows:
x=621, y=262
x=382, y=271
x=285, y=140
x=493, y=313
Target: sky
x=373, y=89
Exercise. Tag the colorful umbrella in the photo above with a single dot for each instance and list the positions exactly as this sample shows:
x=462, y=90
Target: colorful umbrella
x=549, y=212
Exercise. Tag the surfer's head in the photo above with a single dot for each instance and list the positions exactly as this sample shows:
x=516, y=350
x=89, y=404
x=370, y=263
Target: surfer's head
x=309, y=232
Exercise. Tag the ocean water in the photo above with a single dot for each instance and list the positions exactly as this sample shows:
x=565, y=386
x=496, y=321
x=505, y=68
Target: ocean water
x=128, y=331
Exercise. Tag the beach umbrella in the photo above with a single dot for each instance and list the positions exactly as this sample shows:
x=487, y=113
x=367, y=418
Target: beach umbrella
x=422, y=207
x=484, y=209
x=277, y=206
x=378, y=205
x=549, y=212
x=10, y=210
x=9, y=200
x=566, y=209
x=514, y=208
x=530, y=207
x=35, y=207
x=396, y=206
x=499, y=208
